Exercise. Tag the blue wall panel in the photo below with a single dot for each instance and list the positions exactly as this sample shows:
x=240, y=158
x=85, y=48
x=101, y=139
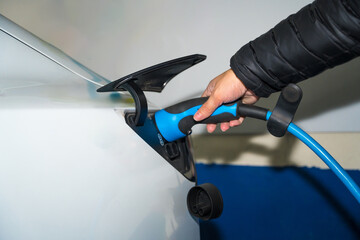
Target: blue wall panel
x=281, y=203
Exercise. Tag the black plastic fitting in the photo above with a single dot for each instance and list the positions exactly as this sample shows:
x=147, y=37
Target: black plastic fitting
x=205, y=201
x=284, y=110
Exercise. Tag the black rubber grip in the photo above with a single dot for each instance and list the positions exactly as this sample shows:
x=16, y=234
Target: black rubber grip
x=188, y=122
x=245, y=110
x=185, y=105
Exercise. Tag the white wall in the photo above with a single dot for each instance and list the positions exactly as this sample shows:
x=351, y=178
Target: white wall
x=115, y=38
x=266, y=150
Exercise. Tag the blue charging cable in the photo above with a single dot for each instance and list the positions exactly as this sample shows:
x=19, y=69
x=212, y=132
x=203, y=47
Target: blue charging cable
x=325, y=156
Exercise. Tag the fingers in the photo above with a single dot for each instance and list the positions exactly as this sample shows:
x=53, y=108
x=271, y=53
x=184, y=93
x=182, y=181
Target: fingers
x=207, y=108
x=211, y=128
x=238, y=122
x=225, y=126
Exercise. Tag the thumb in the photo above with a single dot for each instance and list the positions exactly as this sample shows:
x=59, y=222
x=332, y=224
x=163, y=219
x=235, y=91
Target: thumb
x=207, y=108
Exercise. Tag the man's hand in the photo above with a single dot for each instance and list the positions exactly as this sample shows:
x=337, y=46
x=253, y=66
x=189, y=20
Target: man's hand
x=223, y=89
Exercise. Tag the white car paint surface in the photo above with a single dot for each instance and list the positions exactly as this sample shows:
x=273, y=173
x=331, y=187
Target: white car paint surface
x=70, y=167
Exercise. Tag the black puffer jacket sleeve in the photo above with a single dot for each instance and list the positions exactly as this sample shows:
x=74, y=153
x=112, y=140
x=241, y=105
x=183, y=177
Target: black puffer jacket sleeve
x=321, y=35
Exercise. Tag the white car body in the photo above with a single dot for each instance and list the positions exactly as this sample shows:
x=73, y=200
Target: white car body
x=70, y=166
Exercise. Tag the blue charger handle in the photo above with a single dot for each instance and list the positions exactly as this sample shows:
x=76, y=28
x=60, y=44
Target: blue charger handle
x=177, y=121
